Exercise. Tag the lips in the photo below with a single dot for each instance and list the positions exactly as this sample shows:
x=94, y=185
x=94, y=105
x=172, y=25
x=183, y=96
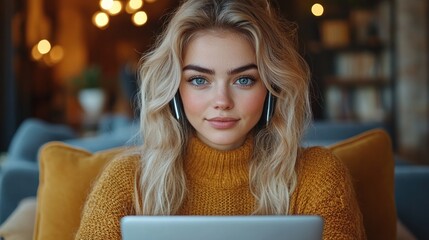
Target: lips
x=222, y=122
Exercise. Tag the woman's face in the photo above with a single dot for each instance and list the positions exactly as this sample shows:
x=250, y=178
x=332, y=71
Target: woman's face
x=222, y=93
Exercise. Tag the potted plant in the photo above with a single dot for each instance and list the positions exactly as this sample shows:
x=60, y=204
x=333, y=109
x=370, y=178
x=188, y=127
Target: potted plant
x=90, y=94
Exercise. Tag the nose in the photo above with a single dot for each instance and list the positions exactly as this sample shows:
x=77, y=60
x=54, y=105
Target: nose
x=223, y=99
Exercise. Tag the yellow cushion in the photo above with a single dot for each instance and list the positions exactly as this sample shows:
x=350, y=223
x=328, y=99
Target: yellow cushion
x=66, y=176
x=369, y=158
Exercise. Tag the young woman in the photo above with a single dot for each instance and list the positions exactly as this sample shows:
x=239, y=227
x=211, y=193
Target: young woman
x=224, y=103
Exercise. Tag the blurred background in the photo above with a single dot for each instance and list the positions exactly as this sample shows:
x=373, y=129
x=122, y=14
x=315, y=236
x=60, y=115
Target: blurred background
x=72, y=61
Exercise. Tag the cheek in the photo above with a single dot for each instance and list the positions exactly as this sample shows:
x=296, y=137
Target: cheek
x=258, y=104
x=253, y=105
x=192, y=103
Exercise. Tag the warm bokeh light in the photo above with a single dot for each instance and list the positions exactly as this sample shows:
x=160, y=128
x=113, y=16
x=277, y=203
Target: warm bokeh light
x=317, y=9
x=139, y=18
x=47, y=60
x=116, y=8
x=135, y=4
x=56, y=54
x=100, y=19
x=106, y=4
x=44, y=46
x=129, y=9
x=35, y=54
x=110, y=8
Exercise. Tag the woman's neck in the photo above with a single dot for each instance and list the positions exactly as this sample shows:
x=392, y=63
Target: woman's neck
x=225, y=169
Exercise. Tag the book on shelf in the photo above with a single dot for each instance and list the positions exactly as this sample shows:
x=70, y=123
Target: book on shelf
x=355, y=65
x=361, y=104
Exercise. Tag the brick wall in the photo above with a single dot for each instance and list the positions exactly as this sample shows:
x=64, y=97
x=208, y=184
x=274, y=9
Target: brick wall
x=412, y=88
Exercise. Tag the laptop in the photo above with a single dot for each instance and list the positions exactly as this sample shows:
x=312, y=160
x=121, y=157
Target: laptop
x=296, y=227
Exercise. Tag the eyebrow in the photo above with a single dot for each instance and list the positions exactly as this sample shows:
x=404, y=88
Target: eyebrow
x=212, y=72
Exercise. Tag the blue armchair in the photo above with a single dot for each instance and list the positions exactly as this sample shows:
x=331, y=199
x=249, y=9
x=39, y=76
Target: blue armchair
x=412, y=197
x=19, y=174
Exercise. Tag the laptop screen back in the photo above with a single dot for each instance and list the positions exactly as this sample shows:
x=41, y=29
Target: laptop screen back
x=221, y=227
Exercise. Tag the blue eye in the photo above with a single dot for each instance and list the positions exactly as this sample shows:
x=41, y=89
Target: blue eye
x=245, y=81
x=198, y=81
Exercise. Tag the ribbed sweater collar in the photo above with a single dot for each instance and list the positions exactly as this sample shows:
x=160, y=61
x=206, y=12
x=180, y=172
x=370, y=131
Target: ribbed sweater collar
x=218, y=169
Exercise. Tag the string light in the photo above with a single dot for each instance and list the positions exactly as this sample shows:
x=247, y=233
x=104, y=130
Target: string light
x=317, y=9
x=35, y=53
x=44, y=46
x=100, y=19
x=135, y=4
x=43, y=51
x=113, y=7
x=56, y=54
x=129, y=9
x=139, y=18
x=106, y=4
x=116, y=8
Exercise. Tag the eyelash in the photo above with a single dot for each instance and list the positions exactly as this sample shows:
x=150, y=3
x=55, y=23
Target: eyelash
x=251, y=78
x=192, y=80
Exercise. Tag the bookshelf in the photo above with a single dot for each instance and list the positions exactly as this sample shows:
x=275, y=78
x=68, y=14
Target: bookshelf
x=354, y=55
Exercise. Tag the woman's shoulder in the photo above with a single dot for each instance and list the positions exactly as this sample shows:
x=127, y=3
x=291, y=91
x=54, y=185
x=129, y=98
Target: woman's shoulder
x=321, y=176
x=320, y=161
x=118, y=175
x=124, y=162
x=119, y=166
x=325, y=188
x=315, y=151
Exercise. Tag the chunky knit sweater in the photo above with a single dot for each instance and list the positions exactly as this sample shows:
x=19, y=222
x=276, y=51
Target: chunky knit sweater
x=218, y=184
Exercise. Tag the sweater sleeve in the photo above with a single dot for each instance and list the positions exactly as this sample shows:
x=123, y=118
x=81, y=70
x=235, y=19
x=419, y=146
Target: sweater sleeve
x=110, y=199
x=325, y=189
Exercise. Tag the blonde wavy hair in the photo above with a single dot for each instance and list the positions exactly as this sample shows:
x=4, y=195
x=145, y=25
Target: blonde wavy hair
x=161, y=183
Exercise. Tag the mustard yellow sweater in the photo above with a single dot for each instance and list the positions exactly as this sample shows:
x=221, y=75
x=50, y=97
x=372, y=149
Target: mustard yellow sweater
x=218, y=184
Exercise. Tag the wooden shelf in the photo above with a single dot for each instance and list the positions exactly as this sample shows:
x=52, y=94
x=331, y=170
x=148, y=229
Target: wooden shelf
x=356, y=47
x=350, y=82
x=375, y=47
